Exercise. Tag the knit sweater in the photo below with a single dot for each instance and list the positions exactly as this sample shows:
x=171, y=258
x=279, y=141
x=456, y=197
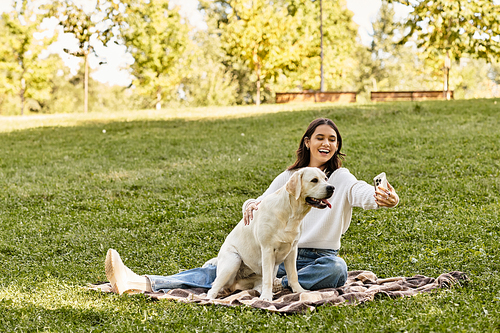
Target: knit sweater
x=323, y=228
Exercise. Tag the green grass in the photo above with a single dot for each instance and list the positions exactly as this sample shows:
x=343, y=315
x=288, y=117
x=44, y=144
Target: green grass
x=165, y=192
x=10, y=123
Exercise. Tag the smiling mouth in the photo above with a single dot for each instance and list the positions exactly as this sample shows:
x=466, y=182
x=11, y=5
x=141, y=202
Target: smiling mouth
x=324, y=151
x=318, y=203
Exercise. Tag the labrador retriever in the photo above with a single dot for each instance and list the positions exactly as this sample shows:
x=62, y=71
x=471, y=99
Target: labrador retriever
x=250, y=255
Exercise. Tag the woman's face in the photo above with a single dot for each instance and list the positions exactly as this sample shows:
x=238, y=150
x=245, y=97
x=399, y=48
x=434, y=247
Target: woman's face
x=322, y=145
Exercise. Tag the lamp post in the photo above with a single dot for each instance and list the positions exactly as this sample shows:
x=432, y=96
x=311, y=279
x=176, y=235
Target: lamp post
x=447, y=66
x=322, y=85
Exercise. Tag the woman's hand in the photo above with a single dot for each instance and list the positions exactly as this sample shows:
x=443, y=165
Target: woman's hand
x=386, y=197
x=248, y=215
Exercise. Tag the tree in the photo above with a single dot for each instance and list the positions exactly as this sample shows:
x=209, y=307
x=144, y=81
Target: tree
x=451, y=29
x=474, y=79
x=262, y=35
x=216, y=14
x=87, y=27
x=381, y=63
x=23, y=70
x=383, y=47
x=287, y=35
x=339, y=43
x=209, y=81
x=494, y=72
x=157, y=39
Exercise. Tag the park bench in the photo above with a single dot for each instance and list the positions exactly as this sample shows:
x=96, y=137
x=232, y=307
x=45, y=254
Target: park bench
x=383, y=96
x=316, y=96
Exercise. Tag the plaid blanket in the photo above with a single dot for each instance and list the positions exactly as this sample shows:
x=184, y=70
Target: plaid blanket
x=361, y=286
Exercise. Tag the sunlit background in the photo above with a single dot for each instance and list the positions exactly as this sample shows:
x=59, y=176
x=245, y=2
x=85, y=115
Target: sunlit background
x=111, y=72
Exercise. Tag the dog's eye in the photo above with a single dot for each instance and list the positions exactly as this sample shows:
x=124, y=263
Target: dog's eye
x=314, y=180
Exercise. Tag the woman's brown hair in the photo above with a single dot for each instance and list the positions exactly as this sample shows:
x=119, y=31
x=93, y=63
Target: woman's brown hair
x=303, y=155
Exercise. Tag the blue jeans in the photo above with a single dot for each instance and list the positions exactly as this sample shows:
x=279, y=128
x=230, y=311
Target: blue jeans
x=201, y=277
x=316, y=268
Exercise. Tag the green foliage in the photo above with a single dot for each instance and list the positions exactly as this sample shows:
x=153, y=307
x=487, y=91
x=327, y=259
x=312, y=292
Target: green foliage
x=216, y=17
x=157, y=39
x=380, y=63
x=165, y=193
x=262, y=36
x=462, y=27
x=250, y=50
x=472, y=79
x=494, y=72
x=380, y=66
x=67, y=96
x=447, y=30
x=279, y=42
x=209, y=81
x=339, y=43
x=85, y=27
x=23, y=72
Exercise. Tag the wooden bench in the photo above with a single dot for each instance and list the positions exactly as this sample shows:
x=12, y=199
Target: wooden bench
x=316, y=96
x=383, y=96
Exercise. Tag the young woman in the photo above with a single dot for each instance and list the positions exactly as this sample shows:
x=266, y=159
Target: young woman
x=318, y=263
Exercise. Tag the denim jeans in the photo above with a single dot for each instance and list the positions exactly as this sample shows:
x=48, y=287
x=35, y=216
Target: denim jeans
x=316, y=268
x=201, y=277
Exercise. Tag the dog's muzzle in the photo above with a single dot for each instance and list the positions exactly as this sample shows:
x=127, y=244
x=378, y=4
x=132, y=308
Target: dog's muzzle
x=321, y=203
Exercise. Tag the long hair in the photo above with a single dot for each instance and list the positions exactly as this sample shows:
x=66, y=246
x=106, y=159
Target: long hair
x=303, y=154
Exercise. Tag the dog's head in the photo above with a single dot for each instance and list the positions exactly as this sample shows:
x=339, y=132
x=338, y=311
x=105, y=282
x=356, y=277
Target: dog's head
x=310, y=184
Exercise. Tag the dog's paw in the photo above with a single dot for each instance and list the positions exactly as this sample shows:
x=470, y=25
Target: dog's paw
x=212, y=294
x=266, y=297
x=298, y=290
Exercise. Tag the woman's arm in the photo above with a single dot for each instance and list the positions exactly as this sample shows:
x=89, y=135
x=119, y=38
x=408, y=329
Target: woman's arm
x=252, y=204
x=361, y=194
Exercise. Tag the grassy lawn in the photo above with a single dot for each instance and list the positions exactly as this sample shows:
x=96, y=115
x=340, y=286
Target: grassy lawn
x=10, y=123
x=165, y=191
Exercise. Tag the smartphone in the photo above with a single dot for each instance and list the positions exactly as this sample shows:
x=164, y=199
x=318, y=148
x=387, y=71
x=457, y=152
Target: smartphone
x=380, y=180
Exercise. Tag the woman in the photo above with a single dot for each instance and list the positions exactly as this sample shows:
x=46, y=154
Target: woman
x=318, y=263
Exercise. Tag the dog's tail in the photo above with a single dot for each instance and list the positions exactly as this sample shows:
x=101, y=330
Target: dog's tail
x=212, y=262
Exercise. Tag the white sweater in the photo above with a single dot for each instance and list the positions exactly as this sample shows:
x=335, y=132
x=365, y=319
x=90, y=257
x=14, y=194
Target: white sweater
x=322, y=228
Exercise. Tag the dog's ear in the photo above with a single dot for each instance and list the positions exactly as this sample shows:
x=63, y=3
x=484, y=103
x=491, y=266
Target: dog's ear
x=293, y=186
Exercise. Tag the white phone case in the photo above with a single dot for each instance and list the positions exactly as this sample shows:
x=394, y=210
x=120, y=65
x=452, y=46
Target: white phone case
x=380, y=180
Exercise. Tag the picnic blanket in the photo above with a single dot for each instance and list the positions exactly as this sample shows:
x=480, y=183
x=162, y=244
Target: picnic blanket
x=361, y=286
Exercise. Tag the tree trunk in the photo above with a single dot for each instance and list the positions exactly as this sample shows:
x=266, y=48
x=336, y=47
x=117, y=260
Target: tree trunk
x=257, y=99
x=86, y=83
x=158, y=98
x=22, y=93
